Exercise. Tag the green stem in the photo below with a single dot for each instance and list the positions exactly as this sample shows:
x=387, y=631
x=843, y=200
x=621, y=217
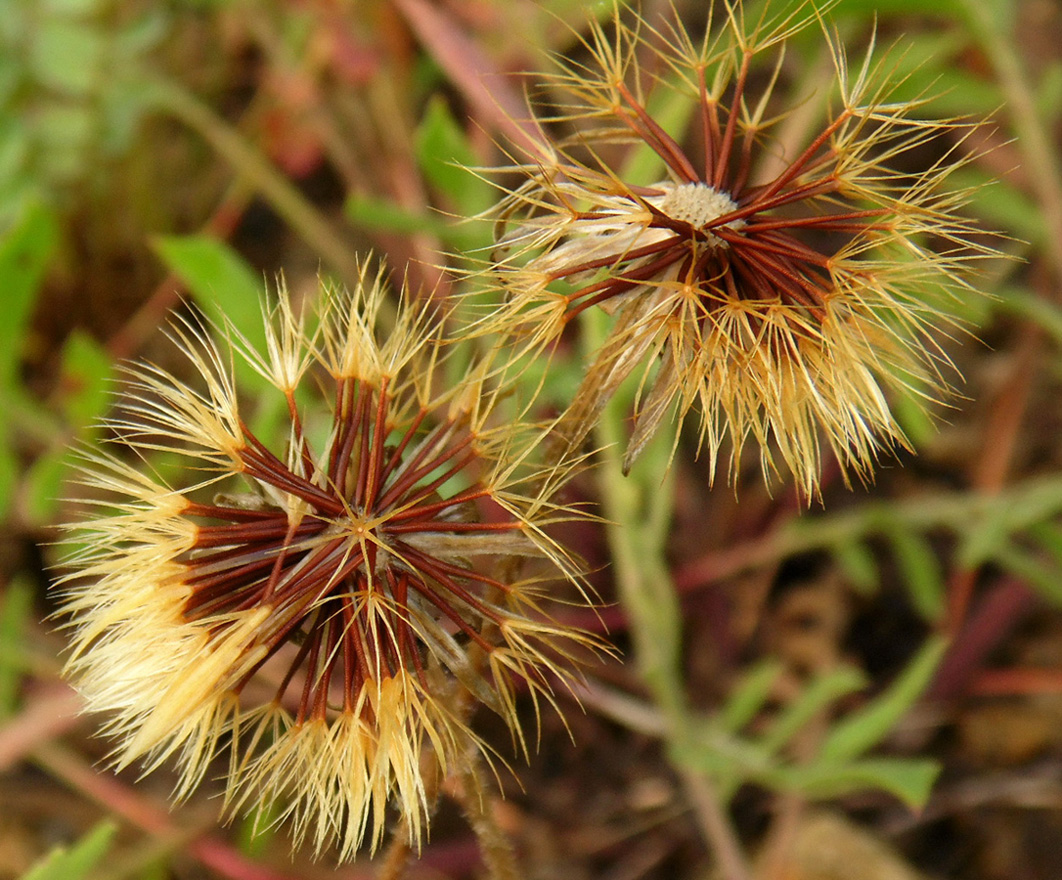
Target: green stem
x=637, y=511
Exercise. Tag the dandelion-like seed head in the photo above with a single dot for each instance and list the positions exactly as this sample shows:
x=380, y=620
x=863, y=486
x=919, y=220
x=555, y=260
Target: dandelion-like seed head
x=324, y=610
x=783, y=284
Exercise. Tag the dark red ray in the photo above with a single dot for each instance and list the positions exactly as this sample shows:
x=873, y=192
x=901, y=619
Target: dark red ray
x=248, y=533
x=376, y=474
x=409, y=479
x=783, y=246
x=802, y=160
x=361, y=480
x=328, y=662
x=296, y=420
x=722, y=163
x=659, y=140
x=406, y=647
x=465, y=573
x=430, y=509
x=216, y=511
x=314, y=638
x=263, y=465
x=621, y=284
x=436, y=569
x=709, y=125
x=418, y=493
x=827, y=222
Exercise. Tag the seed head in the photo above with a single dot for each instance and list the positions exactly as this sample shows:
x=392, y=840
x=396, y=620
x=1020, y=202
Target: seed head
x=786, y=287
x=322, y=612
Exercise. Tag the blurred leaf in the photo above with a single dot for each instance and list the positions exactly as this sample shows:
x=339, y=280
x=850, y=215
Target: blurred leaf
x=258, y=828
x=859, y=731
x=812, y=700
x=857, y=562
x=921, y=570
x=445, y=155
x=67, y=55
x=873, y=8
x=14, y=613
x=1049, y=94
x=384, y=215
x=911, y=780
x=749, y=696
x=1039, y=574
x=86, y=370
x=75, y=862
x=223, y=284
x=24, y=253
x=72, y=7
x=1024, y=302
x=1002, y=206
x=1049, y=536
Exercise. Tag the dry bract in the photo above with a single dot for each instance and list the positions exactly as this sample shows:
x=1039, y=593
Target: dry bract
x=786, y=291
x=325, y=612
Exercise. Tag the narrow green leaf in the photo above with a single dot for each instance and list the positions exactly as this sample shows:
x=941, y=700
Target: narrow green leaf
x=86, y=370
x=921, y=571
x=1042, y=576
x=383, y=215
x=14, y=613
x=1001, y=205
x=223, y=284
x=24, y=253
x=911, y=780
x=1049, y=536
x=865, y=728
x=815, y=697
x=74, y=863
x=84, y=397
x=9, y=473
x=858, y=564
x=1028, y=304
x=445, y=155
x=749, y=696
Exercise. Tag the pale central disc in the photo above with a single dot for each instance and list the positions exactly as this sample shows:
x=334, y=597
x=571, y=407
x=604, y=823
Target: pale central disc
x=697, y=204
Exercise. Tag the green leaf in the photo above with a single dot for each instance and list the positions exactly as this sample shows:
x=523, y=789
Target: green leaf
x=814, y=698
x=445, y=156
x=865, y=728
x=14, y=613
x=858, y=564
x=1024, y=302
x=67, y=55
x=75, y=862
x=223, y=284
x=384, y=215
x=86, y=371
x=921, y=571
x=24, y=254
x=911, y=780
x=1049, y=536
x=9, y=473
x=1001, y=205
x=224, y=287
x=749, y=696
x=1028, y=566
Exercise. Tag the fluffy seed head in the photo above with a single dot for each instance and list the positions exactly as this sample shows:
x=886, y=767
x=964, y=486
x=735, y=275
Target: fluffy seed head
x=323, y=611
x=786, y=283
